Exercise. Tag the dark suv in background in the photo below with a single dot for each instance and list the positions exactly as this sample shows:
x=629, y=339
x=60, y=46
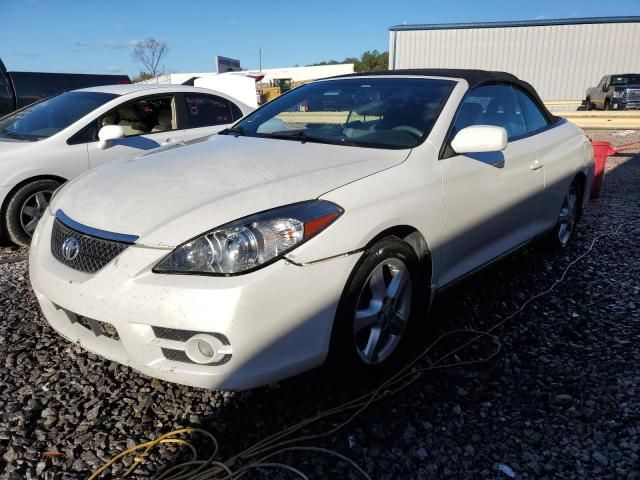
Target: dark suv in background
x=19, y=89
x=615, y=92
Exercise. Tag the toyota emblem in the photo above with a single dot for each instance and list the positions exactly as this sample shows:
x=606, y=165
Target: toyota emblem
x=70, y=248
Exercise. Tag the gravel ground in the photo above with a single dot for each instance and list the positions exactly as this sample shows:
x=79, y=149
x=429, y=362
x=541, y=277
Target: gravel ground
x=560, y=400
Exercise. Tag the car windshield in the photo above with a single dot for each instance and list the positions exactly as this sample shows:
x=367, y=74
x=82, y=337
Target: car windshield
x=48, y=117
x=625, y=80
x=363, y=112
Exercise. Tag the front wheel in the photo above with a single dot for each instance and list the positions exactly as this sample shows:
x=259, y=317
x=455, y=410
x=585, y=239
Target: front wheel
x=587, y=104
x=607, y=104
x=377, y=307
x=25, y=208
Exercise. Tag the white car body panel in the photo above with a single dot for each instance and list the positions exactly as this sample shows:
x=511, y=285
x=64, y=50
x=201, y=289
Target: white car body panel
x=276, y=173
x=469, y=209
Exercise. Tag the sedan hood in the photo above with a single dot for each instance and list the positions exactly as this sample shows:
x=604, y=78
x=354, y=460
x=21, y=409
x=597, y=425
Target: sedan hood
x=9, y=147
x=171, y=196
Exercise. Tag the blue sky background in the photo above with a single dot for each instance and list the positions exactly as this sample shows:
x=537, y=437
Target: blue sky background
x=95, y=36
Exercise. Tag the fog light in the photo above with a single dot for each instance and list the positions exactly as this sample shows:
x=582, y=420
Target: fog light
x=201, y=348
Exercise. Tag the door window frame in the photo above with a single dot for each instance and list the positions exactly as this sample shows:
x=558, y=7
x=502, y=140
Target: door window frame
x=179, y=114
x=446, y=151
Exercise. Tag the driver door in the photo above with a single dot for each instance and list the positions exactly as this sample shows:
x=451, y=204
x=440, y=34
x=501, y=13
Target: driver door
x=149, y=122
x=490, y=198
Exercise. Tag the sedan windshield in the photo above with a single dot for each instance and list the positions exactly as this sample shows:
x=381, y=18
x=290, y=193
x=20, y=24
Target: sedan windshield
x=365, y=112
x=48, y=117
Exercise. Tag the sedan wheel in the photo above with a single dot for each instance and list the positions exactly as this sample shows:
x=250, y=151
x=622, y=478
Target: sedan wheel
x=33, y=209
x=25, y=209
x=378, y=307
x=384, y=307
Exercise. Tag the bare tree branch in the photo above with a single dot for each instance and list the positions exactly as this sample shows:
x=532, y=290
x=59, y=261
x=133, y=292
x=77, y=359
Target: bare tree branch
x=149, y=53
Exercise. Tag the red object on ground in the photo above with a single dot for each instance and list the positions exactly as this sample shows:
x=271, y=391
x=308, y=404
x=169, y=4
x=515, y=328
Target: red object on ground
x=601, y=150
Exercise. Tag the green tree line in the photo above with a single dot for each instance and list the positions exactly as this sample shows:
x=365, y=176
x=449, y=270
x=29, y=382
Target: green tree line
x=371, y=60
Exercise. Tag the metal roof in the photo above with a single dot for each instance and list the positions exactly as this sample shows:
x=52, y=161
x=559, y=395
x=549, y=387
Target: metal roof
x=515, y=23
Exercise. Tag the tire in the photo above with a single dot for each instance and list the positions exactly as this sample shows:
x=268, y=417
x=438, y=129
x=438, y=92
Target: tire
x=564, y=231
x=353, y=347
x=607, y=104
x=24, y=209
x=588, y=105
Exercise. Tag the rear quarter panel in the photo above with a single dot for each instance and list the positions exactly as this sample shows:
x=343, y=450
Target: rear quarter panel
x=565, y=157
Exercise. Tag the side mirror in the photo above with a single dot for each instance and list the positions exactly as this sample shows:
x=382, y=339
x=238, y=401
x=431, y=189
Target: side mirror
x=108, y=133
x=479, y=139
x=605, y=87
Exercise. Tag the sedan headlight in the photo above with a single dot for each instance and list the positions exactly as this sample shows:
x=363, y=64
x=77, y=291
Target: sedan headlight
x=251, y=242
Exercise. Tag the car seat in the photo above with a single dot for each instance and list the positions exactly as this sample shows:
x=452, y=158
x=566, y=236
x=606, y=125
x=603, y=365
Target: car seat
x=130, y=121
x=501, y=112
x=165, y=122
x=109, y=119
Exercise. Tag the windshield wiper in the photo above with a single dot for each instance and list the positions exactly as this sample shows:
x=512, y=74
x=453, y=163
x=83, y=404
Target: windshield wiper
x=303, y=137
x=237, y=131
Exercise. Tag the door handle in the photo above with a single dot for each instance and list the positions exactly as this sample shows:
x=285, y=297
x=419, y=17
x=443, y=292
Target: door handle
x=536, y=165
x=167, y=141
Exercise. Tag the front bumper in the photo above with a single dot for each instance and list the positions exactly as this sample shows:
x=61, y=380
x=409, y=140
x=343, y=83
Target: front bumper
x=275, y=321
x=618, y=104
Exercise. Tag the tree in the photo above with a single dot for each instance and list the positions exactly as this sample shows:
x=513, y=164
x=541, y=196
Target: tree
x=149, y=53
x=141, y=77
x=371, y=60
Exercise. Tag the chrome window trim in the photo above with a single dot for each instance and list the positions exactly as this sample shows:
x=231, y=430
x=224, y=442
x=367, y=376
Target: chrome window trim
x=95, y=232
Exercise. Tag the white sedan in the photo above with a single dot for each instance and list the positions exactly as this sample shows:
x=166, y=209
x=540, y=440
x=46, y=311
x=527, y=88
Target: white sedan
x=314, y=230
x=47, y=143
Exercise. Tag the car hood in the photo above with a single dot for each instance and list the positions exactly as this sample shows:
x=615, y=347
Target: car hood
x=8, y=147
x=171, y=196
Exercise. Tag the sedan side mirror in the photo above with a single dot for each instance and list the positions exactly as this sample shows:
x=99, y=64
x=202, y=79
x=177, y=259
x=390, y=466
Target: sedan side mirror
x=108, y=133
x=479, y=139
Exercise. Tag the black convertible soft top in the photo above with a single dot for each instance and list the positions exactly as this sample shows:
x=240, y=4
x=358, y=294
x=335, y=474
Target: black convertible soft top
x=474, y=78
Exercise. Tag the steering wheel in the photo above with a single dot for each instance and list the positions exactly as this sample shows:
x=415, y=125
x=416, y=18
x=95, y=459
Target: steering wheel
x=411, y=130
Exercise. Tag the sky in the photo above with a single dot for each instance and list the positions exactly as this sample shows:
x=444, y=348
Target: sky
x=96, y=36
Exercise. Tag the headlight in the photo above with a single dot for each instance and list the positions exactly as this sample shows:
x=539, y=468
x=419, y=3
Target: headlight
x=251, y=242
x=618, y=93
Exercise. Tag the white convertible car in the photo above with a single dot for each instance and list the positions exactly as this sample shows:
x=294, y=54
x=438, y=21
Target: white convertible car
x=316, y=228
x=50, y=142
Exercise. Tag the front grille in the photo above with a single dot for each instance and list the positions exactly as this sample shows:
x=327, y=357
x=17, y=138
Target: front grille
x=633, y=93
x=93, y=254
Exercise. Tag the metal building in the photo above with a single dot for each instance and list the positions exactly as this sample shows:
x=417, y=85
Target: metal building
x=560, y=57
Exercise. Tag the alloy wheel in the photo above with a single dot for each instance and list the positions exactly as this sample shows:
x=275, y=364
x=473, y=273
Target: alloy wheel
x=567, y=218
x=32, y=210
x=383, y=310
